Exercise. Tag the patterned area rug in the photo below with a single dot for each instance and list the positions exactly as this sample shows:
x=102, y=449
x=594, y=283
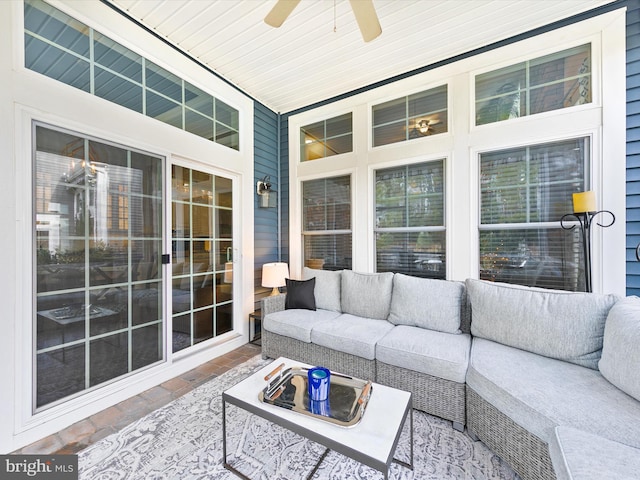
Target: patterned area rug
x=183, y=440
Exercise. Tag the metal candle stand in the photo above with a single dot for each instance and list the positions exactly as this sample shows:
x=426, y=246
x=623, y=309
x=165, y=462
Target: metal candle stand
x=585, y=219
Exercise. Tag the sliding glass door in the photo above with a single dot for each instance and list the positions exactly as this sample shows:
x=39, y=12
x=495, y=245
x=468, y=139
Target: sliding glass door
x=202, y=256
x=98, y=282
x=99, y=296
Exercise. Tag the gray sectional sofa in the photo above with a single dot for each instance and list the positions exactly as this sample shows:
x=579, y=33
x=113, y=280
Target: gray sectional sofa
x=533, y=373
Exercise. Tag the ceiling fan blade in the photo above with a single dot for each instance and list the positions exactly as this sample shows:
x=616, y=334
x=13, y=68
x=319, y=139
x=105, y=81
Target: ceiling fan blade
x=367, y=19
x=280, y=11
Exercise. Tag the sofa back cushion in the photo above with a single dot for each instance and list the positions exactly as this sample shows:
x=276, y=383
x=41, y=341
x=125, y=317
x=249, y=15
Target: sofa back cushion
x=367, y=294
x=620, y=362
x=567, y=326
x=427, y=303
x=327, y=289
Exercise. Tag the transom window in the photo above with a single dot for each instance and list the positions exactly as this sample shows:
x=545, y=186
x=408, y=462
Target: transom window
x=326, y=223
x=552, y=82
x=410, y=231
x=60, y=47
x=523, y=194
x=407, y=118
x=326, y=138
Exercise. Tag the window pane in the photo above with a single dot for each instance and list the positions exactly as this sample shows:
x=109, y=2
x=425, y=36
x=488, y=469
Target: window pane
x=523, y=187
x=227, y=136
x=338, y=145
x=326, y=207
x=227, y=115
x=117, y=58
x=421, y=254
x=118, y=90
x=60, y=373
x=313, y=132
x=533, y=184
x=547, y=258
x=427, y=102
x=198, y=124
x=338, y=125
x=407, y=118
x=410, y=196
x=390, y=112
x=327, y=204
x=390, y=133
x=198, y=100
x=326, y=138
x=57, y=64
x=328, y=252
x=164, y=109
x=547, y=83
x=147, y=346
x=56, y=26
x=109, y=358
x=163, y=82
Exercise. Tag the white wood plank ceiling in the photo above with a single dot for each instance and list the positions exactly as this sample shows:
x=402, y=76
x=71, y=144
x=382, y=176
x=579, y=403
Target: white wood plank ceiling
x=305, y=61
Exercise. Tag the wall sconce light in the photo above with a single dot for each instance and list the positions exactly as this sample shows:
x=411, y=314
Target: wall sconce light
x=584, y=209
x=266, y=195
x=273, y=276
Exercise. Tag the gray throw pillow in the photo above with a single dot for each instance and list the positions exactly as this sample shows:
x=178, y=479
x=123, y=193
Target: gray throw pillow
x=567, y=326
x=620, y=362
x=367, y=294
x=426, y=303
x=327, y=290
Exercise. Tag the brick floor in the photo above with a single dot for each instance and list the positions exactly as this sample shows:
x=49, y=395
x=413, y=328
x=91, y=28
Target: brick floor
x=89, y=430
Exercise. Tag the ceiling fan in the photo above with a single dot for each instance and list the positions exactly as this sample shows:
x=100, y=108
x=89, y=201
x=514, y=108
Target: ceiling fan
x=363, y=10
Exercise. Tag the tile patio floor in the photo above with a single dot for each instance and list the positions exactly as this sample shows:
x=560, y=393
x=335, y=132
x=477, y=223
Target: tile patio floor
x=85, y=432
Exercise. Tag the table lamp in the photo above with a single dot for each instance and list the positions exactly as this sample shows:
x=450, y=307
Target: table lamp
x=273, y=275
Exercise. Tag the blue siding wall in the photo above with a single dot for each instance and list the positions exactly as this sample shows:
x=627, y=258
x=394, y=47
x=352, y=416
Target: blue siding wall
x=284, y=175
x=265, y=219
x=633, y=146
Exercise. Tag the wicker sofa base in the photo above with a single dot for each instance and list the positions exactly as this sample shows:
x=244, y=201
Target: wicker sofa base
x=274, y=346
x=436, y=396
x=526, y=453
x=433, y=395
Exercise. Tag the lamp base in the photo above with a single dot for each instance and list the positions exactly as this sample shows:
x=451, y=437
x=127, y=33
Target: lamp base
x=275, y=291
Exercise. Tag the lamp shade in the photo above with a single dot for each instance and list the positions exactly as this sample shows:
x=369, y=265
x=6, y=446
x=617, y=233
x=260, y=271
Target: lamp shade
x=273, y=275
x=584, y=202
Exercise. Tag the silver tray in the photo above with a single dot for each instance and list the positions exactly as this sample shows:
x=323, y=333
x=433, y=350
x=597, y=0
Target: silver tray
x=289, y=388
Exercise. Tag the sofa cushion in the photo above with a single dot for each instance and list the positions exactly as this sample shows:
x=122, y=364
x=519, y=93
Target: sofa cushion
x=300, y=294
x=366, y=294
x=327, y=290
x=426, y=303
x=568, y=326
x=620, y=362
x=577, y=455
x=437, y=354
x=296, y=323
x=540, y=393
x=350, y=334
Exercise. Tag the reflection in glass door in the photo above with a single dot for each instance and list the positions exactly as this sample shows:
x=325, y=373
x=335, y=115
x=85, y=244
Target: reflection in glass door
x=98, y=229
x=202, y=263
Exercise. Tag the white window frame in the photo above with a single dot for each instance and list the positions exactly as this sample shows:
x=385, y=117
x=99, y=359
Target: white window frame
x=603, y=120
x=37, y=97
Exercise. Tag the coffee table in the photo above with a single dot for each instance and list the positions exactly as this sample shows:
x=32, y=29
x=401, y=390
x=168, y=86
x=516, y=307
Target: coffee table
x=372, y=441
